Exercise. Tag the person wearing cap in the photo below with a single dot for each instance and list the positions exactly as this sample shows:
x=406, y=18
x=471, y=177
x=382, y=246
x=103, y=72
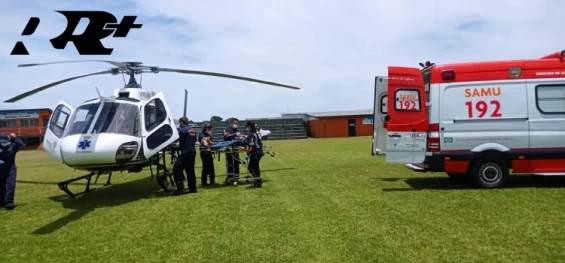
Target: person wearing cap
x=232, y=162
x=206, y=140
x=185, y=161
x=9, y=146
x=254, y=151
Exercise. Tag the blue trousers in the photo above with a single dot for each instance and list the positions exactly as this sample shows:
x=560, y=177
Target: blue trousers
x=7, y=183
x=185, y=162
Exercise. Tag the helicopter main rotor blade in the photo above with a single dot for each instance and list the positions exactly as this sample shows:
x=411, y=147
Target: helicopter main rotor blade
x=117, y=64
x=221, y=75
x=31, y=92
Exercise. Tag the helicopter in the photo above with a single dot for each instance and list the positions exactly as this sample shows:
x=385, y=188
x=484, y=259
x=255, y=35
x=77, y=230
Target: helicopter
x=122, y=132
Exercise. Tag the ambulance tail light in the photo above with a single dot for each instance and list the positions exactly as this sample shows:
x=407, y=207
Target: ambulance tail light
x=433, y=137
x=448, y=75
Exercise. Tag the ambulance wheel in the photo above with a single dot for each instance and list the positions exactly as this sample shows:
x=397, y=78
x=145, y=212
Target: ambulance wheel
x=489, y=172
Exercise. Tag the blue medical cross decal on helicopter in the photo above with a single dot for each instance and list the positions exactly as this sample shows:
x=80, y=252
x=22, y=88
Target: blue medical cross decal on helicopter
x=84, y=144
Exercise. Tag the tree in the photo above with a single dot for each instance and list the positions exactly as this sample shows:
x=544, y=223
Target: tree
x=216, y=118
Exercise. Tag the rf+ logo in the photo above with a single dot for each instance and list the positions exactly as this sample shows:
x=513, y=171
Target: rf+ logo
x=101, y=25
x=31, y=26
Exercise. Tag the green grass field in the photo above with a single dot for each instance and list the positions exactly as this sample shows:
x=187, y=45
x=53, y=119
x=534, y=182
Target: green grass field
x=323, y=200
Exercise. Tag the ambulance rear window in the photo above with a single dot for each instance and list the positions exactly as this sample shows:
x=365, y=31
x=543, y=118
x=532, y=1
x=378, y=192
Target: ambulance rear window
x=407, y=99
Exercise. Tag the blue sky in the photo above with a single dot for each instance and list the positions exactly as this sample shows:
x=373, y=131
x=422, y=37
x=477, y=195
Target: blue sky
x=331, y=49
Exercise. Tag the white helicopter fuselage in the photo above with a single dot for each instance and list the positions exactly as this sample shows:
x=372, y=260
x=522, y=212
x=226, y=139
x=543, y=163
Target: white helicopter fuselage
x=122, y=132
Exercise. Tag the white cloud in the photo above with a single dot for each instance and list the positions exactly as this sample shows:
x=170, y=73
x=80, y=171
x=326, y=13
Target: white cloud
x=331, y=49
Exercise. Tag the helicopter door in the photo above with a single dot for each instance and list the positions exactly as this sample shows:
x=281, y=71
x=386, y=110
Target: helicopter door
x=55, y=130
x=157, y=126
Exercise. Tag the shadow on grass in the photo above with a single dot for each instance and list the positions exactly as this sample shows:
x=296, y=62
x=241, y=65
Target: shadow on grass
x=220, y=179
x=101, y=183
x=114, y=195
x=446, y=183
x=243, y=170
x=50, y=183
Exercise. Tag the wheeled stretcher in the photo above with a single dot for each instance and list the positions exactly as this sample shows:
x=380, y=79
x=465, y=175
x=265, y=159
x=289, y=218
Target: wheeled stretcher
x=235, y=148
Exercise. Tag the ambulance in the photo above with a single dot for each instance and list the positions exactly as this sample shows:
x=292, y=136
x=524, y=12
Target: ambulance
x=477, y=121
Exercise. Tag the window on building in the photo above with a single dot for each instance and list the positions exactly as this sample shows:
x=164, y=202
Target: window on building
x=29, y=123
x=550, y=99
x=8, y=124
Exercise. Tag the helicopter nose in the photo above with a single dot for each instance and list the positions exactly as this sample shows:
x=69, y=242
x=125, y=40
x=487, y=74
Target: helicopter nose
x=98, y=149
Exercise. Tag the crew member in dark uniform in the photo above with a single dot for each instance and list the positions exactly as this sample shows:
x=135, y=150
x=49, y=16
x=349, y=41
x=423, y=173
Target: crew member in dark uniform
x=9, y=146
x=185, y=161
x=205, y=138
x=255, y=152
x=232, y=159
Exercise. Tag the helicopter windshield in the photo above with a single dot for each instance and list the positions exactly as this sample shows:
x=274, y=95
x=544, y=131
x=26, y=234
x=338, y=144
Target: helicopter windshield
x=115, y=117
x=81, y=119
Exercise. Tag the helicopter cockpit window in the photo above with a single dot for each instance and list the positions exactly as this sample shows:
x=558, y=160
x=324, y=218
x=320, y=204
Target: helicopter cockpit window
x=59, y=120
x=82, y=119
x=155, y=114
x=119, y=118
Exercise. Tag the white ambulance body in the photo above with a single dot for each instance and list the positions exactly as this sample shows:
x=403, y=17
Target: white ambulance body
x=474, y=120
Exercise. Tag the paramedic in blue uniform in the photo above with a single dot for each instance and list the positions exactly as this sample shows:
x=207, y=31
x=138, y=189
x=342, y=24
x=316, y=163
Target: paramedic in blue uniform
x=232, y=160
x=185, y=161
x=9, y=146
x=255, y=152
x=206, y=140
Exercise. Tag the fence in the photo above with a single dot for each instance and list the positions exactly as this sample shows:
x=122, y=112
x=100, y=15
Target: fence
x=281, y=129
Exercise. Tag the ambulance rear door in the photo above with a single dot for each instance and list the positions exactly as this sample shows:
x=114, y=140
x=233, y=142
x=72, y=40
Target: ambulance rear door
x=379, y=113
x=407, y=123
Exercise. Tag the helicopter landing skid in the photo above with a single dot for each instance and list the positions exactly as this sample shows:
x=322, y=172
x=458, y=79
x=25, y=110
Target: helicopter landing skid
x=64, y=184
